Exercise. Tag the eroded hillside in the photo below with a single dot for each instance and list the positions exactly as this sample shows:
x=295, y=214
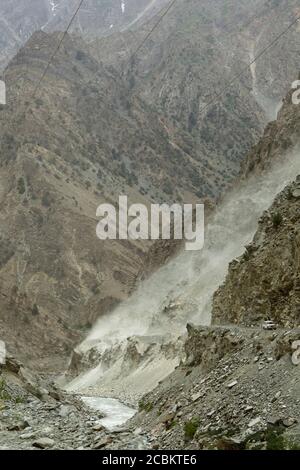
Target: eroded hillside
x=99, y=126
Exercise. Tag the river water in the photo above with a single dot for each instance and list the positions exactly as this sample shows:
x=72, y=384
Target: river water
x=115, y=413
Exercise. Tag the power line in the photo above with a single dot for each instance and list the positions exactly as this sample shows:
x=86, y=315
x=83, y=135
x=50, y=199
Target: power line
x=57, y=48
x=149, y=34
x=171, y=4
x=236, y=77
x=156, y=24
x=250, y=20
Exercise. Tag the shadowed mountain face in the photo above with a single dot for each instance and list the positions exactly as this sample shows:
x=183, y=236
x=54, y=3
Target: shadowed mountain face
x=100, y=126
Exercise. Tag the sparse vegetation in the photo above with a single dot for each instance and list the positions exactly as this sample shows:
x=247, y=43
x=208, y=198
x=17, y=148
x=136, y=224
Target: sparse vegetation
x=277, y=219
x=172, y=424
x=35, y=310
x=46, y=199
x=4, y=394
x=21, y=186
x=190, y=428
x=275, y=440
x=145, y=406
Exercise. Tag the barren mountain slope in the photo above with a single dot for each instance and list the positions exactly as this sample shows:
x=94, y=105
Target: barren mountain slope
x=92, y=133
x=184, y=70
x=56, y=276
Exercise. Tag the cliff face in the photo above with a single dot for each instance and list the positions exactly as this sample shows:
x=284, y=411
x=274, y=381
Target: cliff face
x=265, y=282
x=184, y=68
x=280, y=137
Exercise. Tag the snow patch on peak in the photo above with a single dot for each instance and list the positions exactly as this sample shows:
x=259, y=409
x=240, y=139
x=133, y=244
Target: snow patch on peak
x=54, y=6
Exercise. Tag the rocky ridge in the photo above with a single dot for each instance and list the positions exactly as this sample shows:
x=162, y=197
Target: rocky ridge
x=264, y=283
x=20, y=19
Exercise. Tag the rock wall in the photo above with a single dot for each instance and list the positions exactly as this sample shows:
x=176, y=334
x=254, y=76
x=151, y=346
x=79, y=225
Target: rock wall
x=264, y=284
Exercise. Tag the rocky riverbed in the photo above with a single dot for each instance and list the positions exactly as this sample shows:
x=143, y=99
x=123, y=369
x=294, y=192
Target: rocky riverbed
x=35, y=414
x=238, y=388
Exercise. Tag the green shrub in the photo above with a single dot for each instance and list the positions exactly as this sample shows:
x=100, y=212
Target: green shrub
x=145, y=406
x=190, y=428
x=21, y=186
x=275, y=440
x=4, y=395
x=277, y=219
x=35, y=310
x=19, y=399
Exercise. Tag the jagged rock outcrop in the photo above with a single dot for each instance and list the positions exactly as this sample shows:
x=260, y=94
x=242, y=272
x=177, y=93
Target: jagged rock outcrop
x=280, y=137
x=207, y=347
x=265, y=282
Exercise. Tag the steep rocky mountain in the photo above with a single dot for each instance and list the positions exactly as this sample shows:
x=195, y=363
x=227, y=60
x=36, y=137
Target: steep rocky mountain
x=264, y=282
x=94, y=130
x=235, y=386
x=270, y=266
x=98, y=127
x=55, y=283
x=184, y=70
x=192, y=280
x=19, y=19
x=58, y=163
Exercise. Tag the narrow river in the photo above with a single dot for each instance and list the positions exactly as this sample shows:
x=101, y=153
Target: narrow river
x=115, y=413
